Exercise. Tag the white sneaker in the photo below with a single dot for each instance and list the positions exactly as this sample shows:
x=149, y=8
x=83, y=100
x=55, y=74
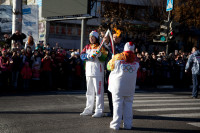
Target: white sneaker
x=97, y=115
x=86, y=113
x=114, y=128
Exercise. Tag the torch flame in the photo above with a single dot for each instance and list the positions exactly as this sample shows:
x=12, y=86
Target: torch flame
x=118, y=32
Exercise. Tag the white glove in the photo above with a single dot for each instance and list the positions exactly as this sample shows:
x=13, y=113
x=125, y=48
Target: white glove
x=88, y=57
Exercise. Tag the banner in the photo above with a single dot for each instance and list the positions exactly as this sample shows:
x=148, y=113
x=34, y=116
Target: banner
x=42, y=30
x=30, y=21
x=5, y=19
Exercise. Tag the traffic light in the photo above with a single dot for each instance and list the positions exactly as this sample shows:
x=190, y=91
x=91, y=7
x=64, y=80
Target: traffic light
x=171, y=35
x=171, y=31
x=159, y=38
x=164, y=28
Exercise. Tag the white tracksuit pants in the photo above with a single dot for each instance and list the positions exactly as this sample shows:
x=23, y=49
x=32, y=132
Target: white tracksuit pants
x=95, y=85
x=122, y=105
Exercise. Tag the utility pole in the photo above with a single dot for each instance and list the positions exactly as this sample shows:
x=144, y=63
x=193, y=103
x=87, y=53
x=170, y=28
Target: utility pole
x=167, y=46
x=83, y=26
x=168, y=9
x=17, y=16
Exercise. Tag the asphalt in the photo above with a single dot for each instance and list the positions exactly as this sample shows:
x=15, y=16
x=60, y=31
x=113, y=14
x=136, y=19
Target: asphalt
x=58, y=112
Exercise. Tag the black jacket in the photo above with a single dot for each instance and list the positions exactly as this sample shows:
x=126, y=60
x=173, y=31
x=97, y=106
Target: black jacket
x=18, y=38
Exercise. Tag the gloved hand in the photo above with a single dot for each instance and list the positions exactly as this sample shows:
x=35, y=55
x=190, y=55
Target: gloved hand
x=89, y=57
x=98, y=53
x=84, y=56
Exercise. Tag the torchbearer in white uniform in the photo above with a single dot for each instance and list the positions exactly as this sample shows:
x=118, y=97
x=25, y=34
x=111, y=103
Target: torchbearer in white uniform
x=94, y=55
x=122, y=82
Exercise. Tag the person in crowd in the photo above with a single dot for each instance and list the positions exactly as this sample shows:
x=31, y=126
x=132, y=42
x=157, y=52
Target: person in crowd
x=94, y=58
x=153, y=60
x=26, y=73
x=59, y=60
x=18, y=37
x=7, y=40
x=16, y=66
x=78, y=71
x=122, y=82
x=71, y=70
x=30, y=43
x=54, y=69
x=56, y=47
x=48, y=47
x=36, y=66
x=165, y=69
x=180, y=65
x=193, y=63
x=40, y=46
x=47, y=70
x=15, y=46
x=27, y=56
x=78, y=74
x=4, y=66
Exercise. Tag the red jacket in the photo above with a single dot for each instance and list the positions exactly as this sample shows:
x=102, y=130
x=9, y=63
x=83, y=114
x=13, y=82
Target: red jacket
x=46, y=64
x=4, y=63
x=26, y=72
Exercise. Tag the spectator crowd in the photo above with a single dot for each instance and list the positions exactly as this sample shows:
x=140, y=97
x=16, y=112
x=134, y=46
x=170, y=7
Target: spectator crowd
x=40, y=66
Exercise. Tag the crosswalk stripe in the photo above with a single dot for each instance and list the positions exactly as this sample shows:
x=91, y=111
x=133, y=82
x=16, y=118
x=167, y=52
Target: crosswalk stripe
x=140, y=98
x=152, y=95
x=168, y=109
x=162, y=104
x=173, y=103
x=165, y=100
x=187, y=115
x=197, y=124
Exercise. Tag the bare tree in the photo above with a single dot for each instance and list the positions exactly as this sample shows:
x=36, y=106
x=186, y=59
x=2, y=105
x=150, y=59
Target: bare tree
x=187, y=12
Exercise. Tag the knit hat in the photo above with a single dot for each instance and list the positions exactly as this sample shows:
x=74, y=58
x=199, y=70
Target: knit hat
x=129, y=46
x=95, y=34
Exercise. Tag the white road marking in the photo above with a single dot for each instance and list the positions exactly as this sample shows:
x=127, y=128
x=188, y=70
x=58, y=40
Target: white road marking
x=187, y=115
x=141, y=98
x=165, y=100
x=197, y=124
x=161, y=104
x=168, y=109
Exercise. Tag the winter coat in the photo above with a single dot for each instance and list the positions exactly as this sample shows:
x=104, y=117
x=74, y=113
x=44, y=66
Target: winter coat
x=18, y=38
x=4, y=63
x=26, y=72
x=194, y=62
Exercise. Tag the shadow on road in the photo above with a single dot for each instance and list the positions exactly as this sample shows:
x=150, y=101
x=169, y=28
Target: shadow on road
x=165, y=118
x=37, y=112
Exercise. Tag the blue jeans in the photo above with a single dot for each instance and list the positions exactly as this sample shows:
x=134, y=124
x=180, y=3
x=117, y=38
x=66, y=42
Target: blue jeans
x=195, y=89
x=15, y=78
